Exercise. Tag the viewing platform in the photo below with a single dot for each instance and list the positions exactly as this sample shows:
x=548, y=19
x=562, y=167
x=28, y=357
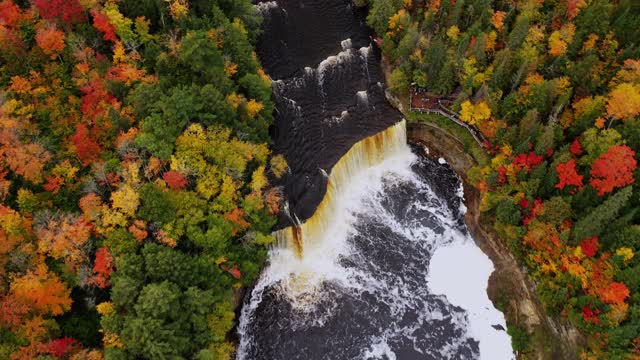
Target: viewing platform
x=421, y=100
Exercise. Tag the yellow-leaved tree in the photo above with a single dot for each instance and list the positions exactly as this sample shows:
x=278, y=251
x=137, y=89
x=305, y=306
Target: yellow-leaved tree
x=474, y=114
x=624, y=101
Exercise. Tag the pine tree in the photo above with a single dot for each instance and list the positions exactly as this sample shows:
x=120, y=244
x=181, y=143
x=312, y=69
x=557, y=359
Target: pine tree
x=597, y=220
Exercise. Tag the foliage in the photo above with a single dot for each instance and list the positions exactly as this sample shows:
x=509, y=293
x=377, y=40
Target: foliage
x=555, y=88
x=569, y=175
x=474, y=114
x=597, y=220
x=519, y=338
x=123, y=179
x=613, y=169
x=64, y=10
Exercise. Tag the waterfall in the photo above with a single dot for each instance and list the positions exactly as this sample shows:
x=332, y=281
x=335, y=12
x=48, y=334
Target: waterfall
x=353, y=277
x=364, y=54
x=362, y=155
x=383, y=269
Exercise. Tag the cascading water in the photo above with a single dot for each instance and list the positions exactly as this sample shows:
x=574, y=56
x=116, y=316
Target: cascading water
x=362, y=287
x=364, y=154
x=327, y=88
x=375, y=261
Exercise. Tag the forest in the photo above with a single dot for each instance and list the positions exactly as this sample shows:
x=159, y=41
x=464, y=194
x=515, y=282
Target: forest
x=554, y=87
x=135, y=167
x=134, y=176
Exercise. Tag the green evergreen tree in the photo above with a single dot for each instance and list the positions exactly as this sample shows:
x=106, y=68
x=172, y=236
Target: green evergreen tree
x=598, y=219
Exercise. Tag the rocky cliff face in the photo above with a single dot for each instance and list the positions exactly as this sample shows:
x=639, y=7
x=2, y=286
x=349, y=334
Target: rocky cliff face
x=509, y=286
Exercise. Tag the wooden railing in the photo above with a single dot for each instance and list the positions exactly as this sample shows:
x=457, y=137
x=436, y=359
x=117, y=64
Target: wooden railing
x=451, y=115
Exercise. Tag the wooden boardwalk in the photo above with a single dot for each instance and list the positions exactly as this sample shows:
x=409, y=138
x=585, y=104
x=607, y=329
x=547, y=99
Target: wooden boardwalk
x=425, y=102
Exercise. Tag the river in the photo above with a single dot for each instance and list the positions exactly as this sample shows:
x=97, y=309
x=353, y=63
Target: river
x=380, y=264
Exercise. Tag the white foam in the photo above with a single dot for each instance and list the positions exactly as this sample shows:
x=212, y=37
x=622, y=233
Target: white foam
x=460, y=271
x=300, y=280
x=331, y=62
x=380, y=350
x=321, y=260
x=364, y=54
x=442, y=161
x=346, y=44
x=363, y=97
x=364, y=51
x=341, y=118
x=265, y=7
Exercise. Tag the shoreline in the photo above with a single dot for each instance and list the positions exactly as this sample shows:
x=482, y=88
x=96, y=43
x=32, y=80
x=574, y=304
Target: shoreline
x=508, y=288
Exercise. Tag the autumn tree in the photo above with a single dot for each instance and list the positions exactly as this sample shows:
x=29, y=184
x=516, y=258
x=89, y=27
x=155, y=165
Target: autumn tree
x=50, y=40
x=560, y=39
x=87, y=149
x=175, y=180
x=569, y=175
x=67, y=11
x=43, y=290
x=474, y=114
x=101, y=22
x=103, y=267
x=589, y=247
x=26, y=160
x=10, y=13
x=613, y=169
x=62, y=347
x=615, y=293
x=63, y=237
x=624, y=101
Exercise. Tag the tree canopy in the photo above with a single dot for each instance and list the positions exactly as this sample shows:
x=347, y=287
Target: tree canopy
x=554, y=87
x=134, y=199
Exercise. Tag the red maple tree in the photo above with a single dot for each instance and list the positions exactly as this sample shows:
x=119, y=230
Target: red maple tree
x=65, y=10
x=53, y=183
x=9, y=13
x=101, y=22
x=589, y=247
x=62, y=347
x=613, y=169
x=96, y=99
x=235, y=272
x=528, y=161
x=103, y=267
x=568, y=175
x=576, y=148
x=87, y=150
x=590, y=315
x=175, y=180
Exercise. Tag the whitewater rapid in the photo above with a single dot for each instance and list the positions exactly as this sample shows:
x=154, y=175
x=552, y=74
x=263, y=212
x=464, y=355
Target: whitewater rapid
x=395, y=275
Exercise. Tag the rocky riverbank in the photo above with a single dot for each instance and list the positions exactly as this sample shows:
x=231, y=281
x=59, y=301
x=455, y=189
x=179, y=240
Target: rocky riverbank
x=509, y=287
